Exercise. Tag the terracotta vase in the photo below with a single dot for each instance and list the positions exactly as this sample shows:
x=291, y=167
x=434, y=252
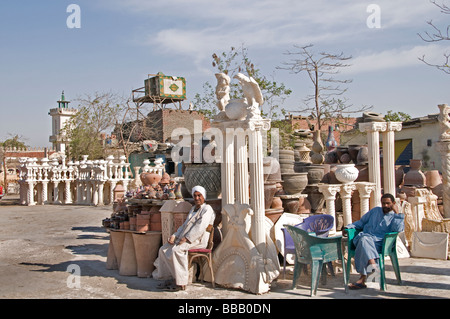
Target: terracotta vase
x=315, y=199
x=146, y=246
x=304, y=206
x=117, y=239
x=128, y=265
x=433, y=178
x=276, y=202
x=291, y=205
x=150, y=178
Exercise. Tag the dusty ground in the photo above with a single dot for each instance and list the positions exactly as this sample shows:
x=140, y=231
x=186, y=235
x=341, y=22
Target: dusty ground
x=40, y=244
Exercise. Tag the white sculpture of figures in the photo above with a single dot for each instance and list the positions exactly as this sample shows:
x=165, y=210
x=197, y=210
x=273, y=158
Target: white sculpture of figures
x=444, y=121
x=222, y=90
x=252, y=93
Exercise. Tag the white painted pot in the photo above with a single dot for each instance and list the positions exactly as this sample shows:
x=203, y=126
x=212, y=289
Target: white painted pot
x=346, y=173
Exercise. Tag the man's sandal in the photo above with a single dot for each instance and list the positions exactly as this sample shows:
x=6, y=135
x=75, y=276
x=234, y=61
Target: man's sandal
x=174, y=288
x=356, y=286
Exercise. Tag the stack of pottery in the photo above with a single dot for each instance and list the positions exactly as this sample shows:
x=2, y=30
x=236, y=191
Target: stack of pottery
x=286, y=159
x=143, y=221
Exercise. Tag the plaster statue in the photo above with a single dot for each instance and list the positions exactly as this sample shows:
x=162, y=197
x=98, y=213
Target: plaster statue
x=444, y=121
x=222, y=90
x=252, y=93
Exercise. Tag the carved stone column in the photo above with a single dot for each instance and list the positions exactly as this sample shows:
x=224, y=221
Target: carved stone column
x=329, y=192
x=444, y=148
x=241, y=165
x=257, y=188
x=346, y=196
x=389, y=157
x=373, y=144
x=364, y=189
x=68, y=193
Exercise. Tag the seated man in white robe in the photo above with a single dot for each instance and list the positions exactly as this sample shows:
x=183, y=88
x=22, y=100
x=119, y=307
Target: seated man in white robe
x=172, y=262
x=374, y=225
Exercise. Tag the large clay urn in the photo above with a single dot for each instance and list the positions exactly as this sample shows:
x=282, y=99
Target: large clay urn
x=207, y=175
x=414, y=177
x=433, y=178
x=150, y=178
x=294, y=183
x=146, y=246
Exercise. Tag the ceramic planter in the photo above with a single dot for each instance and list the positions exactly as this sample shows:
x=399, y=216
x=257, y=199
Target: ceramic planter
x=346, y=173
x=206, y=175
x=294, y=183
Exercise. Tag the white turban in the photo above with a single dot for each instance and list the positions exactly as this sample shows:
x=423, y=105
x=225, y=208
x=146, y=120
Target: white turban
x=199, y=189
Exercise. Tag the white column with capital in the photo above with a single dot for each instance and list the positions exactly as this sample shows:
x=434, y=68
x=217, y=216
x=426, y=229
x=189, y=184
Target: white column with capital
x=329, y=192
x=346, y=195
x=373, y=144
x=389, y=157
x=364, y=190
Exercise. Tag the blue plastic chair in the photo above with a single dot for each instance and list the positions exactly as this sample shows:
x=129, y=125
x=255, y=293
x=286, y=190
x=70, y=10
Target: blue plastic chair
x=320, y=224
x=289, y=248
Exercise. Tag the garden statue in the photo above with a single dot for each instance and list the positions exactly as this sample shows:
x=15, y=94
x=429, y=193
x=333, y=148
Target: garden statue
x=222, y=90
x=444, y=121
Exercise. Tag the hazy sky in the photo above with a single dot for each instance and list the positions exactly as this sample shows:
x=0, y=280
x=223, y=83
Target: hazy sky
x=120, y=42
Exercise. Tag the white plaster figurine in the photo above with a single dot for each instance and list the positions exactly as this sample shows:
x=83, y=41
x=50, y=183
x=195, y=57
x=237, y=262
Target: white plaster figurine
x=222, y=90
x=444, y=121
x=252, y=93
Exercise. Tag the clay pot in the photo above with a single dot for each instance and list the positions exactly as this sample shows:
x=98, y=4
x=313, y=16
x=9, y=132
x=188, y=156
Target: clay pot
x=433, y=178
x=353, y=151
x=399, y=175
x=345, y=158
x=315, y=198
x=346, y=173
x=304, y=206
x=276, y=202
x=271, y=170
x=150, y=178
x=274, y=214
x=269, y=191
x=341, y=150
x=315, y=171
x=331, y=157
x=414, y=177
x=363, y=155
x=294, y=183
x=117, y=239
x=147, y=247
x=128, y=264
x=291, y=205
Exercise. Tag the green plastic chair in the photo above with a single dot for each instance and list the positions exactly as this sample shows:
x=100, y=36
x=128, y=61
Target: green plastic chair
x=389, y=248
x=315, y=251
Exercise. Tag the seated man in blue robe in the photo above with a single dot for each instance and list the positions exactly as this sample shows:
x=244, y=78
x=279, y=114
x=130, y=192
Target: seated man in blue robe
x=374, y=225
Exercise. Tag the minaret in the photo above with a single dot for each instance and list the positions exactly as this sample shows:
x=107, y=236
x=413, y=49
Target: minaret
x=60, y=116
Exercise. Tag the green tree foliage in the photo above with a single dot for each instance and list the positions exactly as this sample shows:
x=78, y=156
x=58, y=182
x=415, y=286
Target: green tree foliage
x=96, y=114
x=392, y=116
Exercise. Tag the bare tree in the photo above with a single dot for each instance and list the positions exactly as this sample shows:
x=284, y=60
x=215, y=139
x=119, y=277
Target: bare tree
x=438, y=35
x=322, y=69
